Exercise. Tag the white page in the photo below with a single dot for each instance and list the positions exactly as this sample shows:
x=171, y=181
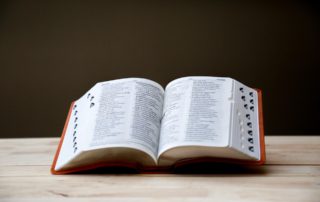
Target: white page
x=79, y=126
x=129, y=115
x=196, y=113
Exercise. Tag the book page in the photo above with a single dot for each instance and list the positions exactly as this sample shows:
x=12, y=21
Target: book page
x=129, y=115
x=196, y=113
x=79, y=126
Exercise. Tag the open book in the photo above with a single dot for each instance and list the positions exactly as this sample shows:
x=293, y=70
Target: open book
x=135, y=122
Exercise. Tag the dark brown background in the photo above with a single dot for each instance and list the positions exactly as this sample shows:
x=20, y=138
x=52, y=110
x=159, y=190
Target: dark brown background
x=52, y=52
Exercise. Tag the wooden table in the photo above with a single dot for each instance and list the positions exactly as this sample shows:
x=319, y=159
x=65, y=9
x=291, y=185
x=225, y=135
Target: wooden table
x=292, y=173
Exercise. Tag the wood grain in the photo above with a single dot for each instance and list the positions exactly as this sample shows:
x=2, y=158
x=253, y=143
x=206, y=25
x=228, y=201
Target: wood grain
x=292, y=173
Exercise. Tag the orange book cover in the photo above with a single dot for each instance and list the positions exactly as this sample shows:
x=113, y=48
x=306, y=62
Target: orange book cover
x=168, y=169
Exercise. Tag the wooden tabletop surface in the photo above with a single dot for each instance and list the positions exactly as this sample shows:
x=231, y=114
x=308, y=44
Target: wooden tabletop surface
x=292, y=173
